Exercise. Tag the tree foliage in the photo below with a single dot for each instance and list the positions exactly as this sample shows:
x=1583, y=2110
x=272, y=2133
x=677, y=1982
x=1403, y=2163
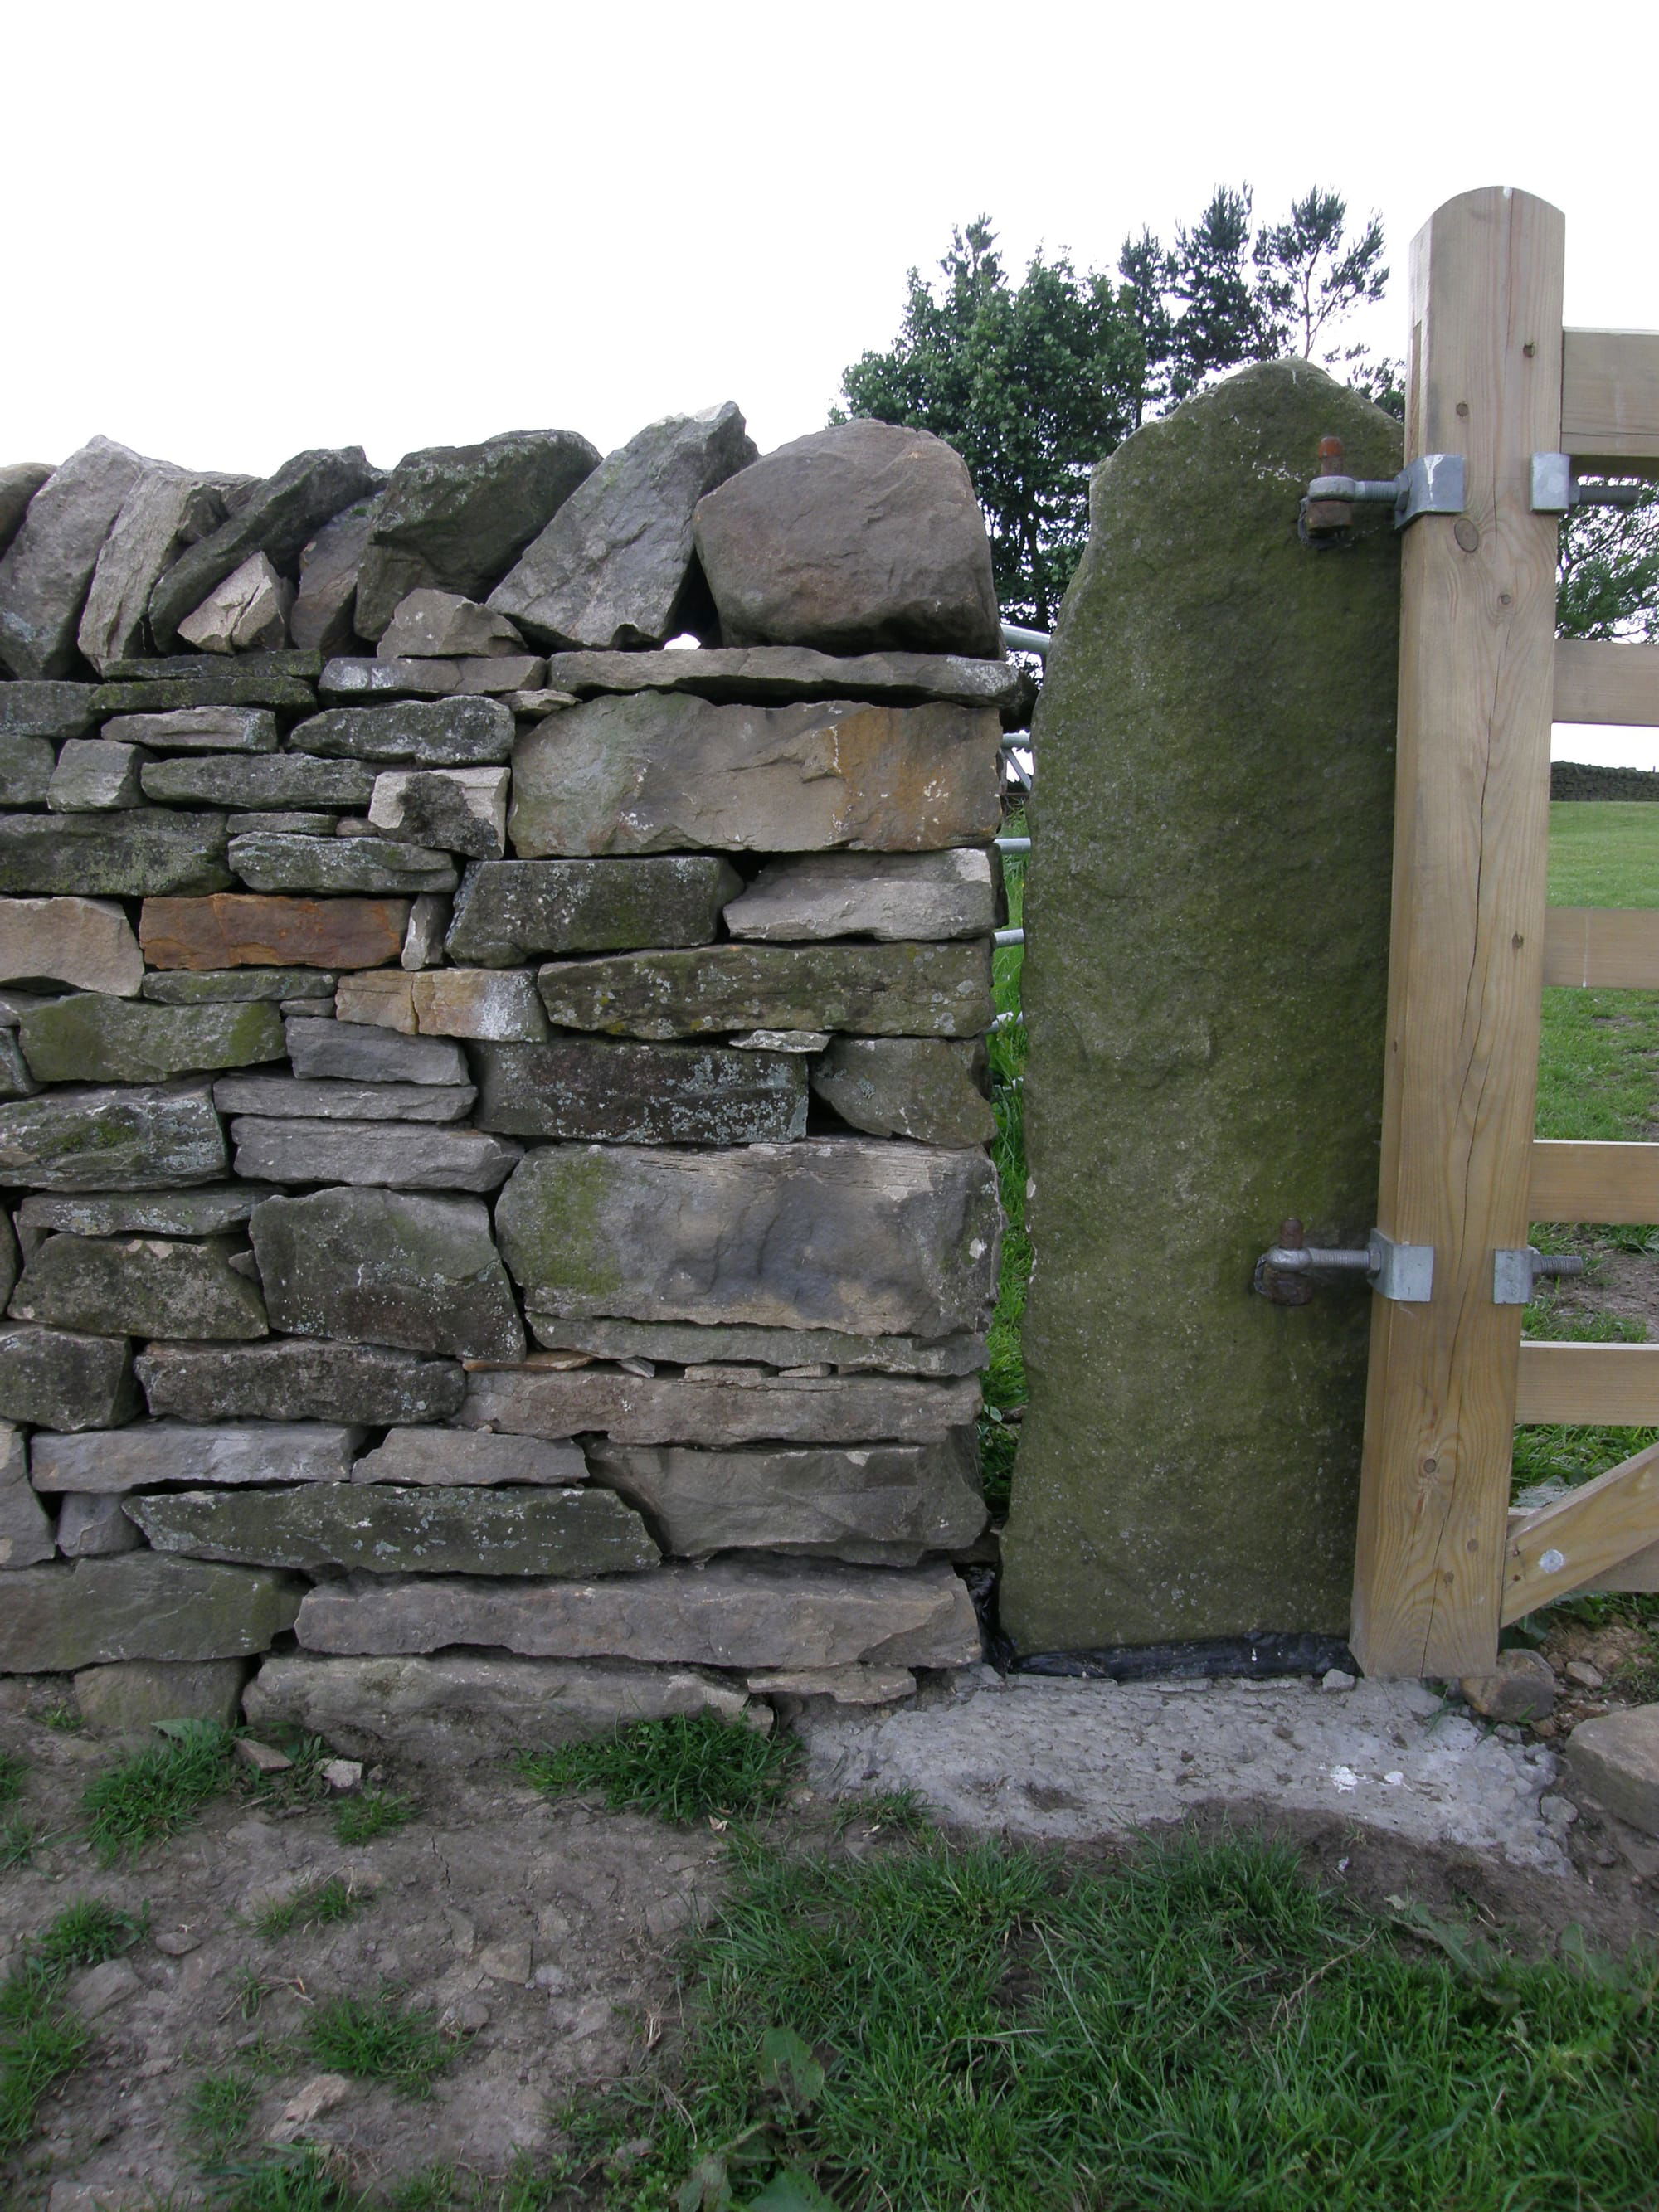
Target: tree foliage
x=1609, y=578
x=1035, y=382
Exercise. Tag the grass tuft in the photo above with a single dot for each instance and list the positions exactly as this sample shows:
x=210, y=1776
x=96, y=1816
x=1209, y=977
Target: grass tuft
x=687, y=1767
x=12, y=1772
x=319, y=1905
x=157, y=1792
x=379, y=2038
x=219, y=2110
x=298, y=2180
x=19, y=1840
x=41, y=2042
x=370, y=1814
x=86, y=1934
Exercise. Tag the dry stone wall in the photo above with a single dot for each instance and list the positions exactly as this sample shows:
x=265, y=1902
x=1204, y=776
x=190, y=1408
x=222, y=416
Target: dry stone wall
x=498, y=1233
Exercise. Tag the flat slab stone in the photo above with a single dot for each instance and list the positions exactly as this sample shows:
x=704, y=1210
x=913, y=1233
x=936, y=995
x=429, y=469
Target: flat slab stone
x=25, y=769
x=291, y=1096
x=355, y=680
x=509, y=911
x=92, y=774
x=640, y=1094
x=93, y=1528
x=749, y=1612
x=1614, y=1758
x=835, y=1233
x=461, y=1708
x=203, y=986
x=270, y=860
x=776, y=673
x=478, y=1002
x=382, y=1267
x=1189, y=1464
x=238, y=731
x=688, y=1345
x=875, y=990
x=26, y=1533
x=141, y=853
x=377, y=1001
x=258, y=783
x=383, y=1530
x=139, y=1286
x=404, y=1155
x=134, y=1694
x=877, y=1505
x=756, y=1408
x=891, y=896
x=86, y=943
x=1062, y=1761
x=142, y=1212
x=432, y=625
x=856, y=538
x=650, y=773
x=93, y=1038
x=243, y=930
x=217, y=682
x=151, y=1453
x=934, y=1090
x=59, y=1378
x=458, y=810
x=358, y=1052
x=58, y=1620
x=423, y=733
x=325, y=603
x=46, y=710
x=458, y=1457
x=310, y=1380
x=111, y=1139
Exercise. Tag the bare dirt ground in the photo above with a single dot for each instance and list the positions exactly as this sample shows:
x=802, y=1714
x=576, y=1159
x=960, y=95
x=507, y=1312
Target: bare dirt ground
x=547, y=1938
x=542, y=1936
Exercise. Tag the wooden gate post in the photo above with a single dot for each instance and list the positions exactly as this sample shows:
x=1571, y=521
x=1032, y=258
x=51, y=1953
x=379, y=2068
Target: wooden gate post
x=1467, y=944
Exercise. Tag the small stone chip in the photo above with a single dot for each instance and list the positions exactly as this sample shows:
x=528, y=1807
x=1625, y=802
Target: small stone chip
x=262, y=1758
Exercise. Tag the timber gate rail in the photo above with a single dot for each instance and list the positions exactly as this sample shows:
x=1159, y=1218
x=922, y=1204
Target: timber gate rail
x=1442, y=1563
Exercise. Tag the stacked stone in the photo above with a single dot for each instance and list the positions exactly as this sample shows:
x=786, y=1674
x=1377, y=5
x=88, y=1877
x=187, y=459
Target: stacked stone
x=494, y=1109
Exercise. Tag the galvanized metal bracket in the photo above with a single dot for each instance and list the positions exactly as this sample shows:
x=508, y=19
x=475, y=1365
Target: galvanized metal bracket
x=1434, y=484
x=1404, y=1273
x=1515, y=1271
x=1556, y=489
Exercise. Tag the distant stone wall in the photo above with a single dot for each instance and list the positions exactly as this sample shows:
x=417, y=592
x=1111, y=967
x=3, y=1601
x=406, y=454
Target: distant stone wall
x=496, y=1110
x=1588, y=780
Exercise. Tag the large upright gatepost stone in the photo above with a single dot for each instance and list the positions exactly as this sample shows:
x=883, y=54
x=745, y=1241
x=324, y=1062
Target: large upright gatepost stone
x=1205, y=989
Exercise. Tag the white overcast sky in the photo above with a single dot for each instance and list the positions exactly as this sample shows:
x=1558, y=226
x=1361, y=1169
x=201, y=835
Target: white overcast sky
x=233, y=232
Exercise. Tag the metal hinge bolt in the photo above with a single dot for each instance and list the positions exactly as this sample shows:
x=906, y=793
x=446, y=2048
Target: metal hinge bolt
x=1401, y=1272
x=1434, y=484
x=1514, y=1272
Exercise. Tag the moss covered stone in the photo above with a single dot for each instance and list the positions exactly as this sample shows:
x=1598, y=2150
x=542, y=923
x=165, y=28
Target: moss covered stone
x=94, y=1038
x=112, y=1140
x=1207, y=919
x=141, y=1606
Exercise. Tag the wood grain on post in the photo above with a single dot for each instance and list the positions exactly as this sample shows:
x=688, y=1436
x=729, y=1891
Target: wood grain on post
x=1606, y=683
x=1610, y=401
x=1476, y=686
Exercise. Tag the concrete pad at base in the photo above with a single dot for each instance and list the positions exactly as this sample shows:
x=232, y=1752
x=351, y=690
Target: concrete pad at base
x=1074, y=1761
x=1206, y=918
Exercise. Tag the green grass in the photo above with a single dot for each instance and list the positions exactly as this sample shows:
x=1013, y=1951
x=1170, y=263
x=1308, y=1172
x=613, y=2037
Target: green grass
x=687, y=1767
x=379, y=2038
x=12, y=1772
x=1603, y=851
x=971, y=2029
x=298, y=2180
x=41, y=2040
x=319, y=1905
x=19, y=1840
x=372, y=1813
x=157, y=1792
x=219, y=2112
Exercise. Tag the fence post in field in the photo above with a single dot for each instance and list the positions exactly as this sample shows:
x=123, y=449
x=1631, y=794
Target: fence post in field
x=1467, y=948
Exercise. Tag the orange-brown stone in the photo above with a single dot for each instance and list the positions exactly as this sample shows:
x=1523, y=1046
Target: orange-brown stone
x=237, y=929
